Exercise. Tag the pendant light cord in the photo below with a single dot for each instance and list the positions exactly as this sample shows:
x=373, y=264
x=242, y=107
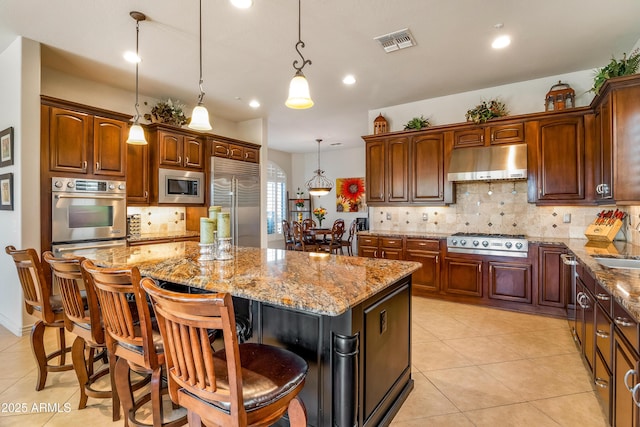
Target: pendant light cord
x=201, y=96
x=137, y=62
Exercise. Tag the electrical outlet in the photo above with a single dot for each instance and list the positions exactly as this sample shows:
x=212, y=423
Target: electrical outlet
x=425, y=216
x=388, y=216
x=566, y=218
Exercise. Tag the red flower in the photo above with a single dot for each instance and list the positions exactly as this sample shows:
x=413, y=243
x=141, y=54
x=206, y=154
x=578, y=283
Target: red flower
x=352, y=188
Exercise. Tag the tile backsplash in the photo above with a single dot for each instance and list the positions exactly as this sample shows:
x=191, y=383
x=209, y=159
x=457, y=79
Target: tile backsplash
x=499, y=207
x=154, y=219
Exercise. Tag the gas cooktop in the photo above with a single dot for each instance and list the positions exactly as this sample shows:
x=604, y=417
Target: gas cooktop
x=514, y=245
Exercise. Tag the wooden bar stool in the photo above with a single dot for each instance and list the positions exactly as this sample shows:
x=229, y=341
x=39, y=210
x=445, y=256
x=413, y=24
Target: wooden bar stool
x=131, y=338
x=348, y=243
x=41, y=303
x=241, y=385
x=84, y=322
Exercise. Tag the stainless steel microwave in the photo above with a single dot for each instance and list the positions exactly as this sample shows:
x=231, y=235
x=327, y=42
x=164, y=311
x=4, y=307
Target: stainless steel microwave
x=180, y=186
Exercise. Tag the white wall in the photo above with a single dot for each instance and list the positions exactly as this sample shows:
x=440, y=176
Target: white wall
x=20, y=108
x=520, y=98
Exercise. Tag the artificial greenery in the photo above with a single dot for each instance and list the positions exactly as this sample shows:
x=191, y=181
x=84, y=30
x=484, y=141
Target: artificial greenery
x=417, y=123
x=487, y=110
x=169, y=112
x=615, y=68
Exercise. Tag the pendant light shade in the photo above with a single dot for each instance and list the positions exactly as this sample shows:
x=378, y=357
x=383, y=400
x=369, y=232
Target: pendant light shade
x=299, y=97
x=319, y=185
x=136, y=133
x=200, y=115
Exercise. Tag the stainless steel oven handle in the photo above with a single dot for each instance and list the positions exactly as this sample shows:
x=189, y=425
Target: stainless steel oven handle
x=76, y=248
x=86, y=196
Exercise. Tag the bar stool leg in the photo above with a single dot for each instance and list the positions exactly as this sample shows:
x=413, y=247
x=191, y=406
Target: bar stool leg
x=80, y=366
x=37, y=345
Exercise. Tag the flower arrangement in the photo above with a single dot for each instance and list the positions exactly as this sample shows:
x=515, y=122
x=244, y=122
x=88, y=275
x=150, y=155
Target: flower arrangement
x=615, y=68
x=169, y=112
x=487, y=110
x=300, y=198
x=320, y=213
x=417, y=123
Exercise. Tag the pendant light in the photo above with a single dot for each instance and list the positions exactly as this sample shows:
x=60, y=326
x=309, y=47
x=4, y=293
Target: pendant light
x=299, y=97
x=319, y=185
x=200, y=115
x=136, y=133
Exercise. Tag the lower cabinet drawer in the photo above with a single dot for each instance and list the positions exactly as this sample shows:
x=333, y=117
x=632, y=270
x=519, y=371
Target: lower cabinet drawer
x=604, y=334
x=423, y=245
x=391, y=242
x=603, y=380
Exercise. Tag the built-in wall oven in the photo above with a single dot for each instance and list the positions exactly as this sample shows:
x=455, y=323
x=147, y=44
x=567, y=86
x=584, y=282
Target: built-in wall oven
x=87, y=213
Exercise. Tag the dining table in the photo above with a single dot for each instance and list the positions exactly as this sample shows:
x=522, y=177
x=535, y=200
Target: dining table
x=318, y=234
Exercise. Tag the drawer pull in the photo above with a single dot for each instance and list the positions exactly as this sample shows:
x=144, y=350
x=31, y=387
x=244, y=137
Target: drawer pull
x=626, y=378
x=601, y=383
x=603, y=297
x=602, y=334
x=623, y=321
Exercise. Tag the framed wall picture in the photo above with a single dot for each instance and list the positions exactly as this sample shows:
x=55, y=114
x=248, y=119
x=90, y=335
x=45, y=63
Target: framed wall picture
x=6, y=147
x=6, y=192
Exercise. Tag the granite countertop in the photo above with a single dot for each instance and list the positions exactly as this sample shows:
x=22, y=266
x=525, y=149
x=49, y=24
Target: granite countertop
x=163, y=236
x=325, y=284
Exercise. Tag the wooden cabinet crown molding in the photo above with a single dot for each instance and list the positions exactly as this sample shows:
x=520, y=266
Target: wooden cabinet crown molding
x=81, y=108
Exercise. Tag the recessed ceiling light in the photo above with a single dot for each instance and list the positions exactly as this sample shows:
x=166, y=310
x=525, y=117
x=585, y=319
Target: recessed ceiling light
x=349, y=79
x=242, y=4
x=501, y=42
x=132, y=57
x=254, y=103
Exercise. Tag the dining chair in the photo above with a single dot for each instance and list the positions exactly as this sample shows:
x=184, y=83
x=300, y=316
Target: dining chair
x=334, y=244
x=348, y=242
x=246, y=384
x=131, y=338
x=286, y=233
x=308, y=223
x=302, y=241
x=40, y=302
x=83, y=320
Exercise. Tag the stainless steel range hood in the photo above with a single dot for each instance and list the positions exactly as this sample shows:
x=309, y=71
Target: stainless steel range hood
x=498, y=162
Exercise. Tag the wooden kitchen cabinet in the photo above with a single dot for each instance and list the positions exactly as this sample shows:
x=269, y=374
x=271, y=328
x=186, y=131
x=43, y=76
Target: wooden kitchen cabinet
x=427, y=168
x=138, y=174
x=489, y=134
x=585, y=316
x=560, y=153
x=626, y=366
x=79, y=140
x=462, y=276
x=617, y=108
x=387, y=172
x=510, y=281
x=381, y=247
x=177, y=149
x=235, y=151
x=427, y=252
x=553, y=283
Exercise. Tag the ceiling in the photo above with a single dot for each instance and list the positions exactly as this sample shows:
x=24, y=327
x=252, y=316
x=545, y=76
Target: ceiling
x=249, y=53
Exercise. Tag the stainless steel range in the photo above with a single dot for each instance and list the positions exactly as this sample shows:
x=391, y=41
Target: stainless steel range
x=512, y=245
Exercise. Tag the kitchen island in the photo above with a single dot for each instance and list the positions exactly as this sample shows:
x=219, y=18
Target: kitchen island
x=349, y=317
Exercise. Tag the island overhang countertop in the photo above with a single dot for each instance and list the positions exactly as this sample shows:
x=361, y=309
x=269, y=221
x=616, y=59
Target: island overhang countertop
x=319, y=283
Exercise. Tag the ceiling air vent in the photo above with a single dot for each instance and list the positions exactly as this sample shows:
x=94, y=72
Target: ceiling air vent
x=396, y=40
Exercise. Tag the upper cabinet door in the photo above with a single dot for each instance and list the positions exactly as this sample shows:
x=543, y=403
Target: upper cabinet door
x=193, y=152
x=471, y=137
x=561, y=159
x=509, y=133
x=109, y=151
x=170, y=147
x=397, y=170
x=69, y=134
x=375, y=173
x=427, y=183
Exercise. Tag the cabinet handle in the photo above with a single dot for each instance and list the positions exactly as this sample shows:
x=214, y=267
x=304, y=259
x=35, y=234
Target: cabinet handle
x=381, y=196
x=480, y=268
x=246, y=155
x=375, y=253
x=186, y=159
x=437, y=259
x=228, y=152
x=146, y=194
x=97, y=166
x=601, y=383
x=179, y=159
x=490, y=269
x=634, y=394
x=622, y=321
x=602, y=334
x=599, y=189
x=493, y=136
x=626, y=378
x=481, y=138
x=383, y=255
x=84, y=165
x=539, y=192
x=603, y=297
x=440, y=195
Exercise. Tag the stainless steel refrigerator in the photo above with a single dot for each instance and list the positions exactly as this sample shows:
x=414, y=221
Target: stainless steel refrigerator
x=235, y=185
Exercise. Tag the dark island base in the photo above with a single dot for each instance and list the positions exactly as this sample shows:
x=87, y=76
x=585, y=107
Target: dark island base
x=359, y=362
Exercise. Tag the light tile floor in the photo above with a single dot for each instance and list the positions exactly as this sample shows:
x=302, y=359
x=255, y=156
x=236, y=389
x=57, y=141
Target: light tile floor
x=472, y=366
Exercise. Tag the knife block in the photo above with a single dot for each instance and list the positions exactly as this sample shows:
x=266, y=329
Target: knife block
x=603, y=232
